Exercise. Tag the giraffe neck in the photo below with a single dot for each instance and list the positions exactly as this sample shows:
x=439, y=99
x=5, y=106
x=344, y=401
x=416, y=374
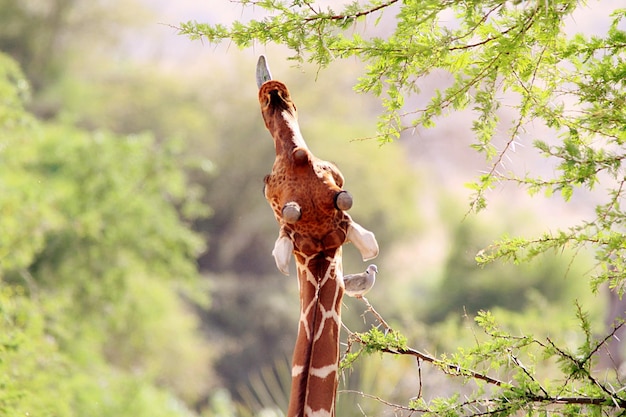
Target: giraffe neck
x=287, y=135
x=281, y=118
x=316, y=355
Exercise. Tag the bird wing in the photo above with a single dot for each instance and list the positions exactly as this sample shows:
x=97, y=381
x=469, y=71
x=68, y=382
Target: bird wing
x=355, y=282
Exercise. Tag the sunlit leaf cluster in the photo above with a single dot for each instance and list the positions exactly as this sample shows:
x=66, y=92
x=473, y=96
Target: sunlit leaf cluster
x=496, y=54
x=517, y=51
x=511, y=372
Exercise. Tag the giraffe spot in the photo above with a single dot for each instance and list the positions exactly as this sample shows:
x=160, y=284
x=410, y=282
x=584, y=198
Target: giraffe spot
x=296, y=370
x=308, y=412
x=324, y=371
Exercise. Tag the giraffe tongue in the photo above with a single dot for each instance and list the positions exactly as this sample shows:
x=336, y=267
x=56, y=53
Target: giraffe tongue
x=364, y=240
x=262, y=71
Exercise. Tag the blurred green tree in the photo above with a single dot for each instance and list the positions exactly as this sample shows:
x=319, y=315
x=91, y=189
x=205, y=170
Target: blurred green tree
x=101, y=96
x=467, y=288
x=93, y=257
x=45, y=36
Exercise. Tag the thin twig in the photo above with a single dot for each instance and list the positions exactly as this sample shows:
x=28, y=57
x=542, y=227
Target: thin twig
x=519, y=364
x=320, y=16
x=618, y=401
x=605, y=340
x=419, y=376
x=448, y=368
x=373, y=397
x=378, y=316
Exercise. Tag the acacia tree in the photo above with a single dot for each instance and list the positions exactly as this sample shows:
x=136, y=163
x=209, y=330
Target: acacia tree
x=570, y=82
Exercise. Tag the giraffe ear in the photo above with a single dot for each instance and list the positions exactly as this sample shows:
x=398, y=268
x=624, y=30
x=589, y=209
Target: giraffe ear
x=283, y=248
x=364, y=240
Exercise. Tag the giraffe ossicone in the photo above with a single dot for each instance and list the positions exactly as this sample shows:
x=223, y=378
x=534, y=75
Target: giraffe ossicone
x=308, y=200
x=262, y=72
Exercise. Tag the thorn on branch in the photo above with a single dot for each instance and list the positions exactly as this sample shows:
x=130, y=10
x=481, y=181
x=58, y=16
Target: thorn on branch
x=320, y=16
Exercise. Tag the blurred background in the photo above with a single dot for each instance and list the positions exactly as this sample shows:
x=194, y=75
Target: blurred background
x=140, y=270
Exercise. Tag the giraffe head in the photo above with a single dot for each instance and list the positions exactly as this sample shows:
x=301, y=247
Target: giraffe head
x=305, y=192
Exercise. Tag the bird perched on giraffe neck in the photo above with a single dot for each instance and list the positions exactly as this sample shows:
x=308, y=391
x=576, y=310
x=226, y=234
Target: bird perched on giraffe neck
x=357, y=285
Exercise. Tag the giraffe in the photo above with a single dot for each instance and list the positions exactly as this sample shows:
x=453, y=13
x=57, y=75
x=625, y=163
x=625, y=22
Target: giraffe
x=309, y=204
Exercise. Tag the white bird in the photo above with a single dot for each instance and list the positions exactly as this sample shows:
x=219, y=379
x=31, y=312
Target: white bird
x=357, y=285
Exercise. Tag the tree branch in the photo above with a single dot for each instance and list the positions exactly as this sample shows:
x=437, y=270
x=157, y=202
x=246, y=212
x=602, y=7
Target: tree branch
x=612, y=399
x=321, y=16
x=448, y=368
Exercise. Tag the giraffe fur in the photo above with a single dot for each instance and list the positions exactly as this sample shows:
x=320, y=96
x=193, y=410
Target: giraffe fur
x=303, y=192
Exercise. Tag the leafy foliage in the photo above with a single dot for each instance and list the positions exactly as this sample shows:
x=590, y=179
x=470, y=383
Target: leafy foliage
x=91, y=229
x=513, y=53
x=116, y=113
x=572, y=84
x=504, y=366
